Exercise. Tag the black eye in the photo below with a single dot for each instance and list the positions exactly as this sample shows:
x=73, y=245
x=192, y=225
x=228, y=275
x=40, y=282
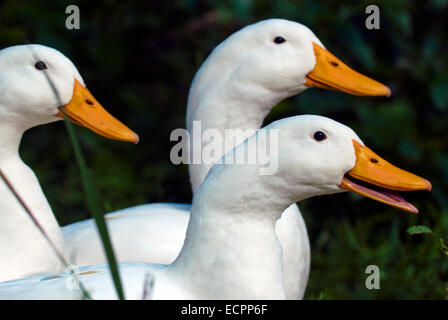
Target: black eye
x=319, y=136
x=40, y=65
x=279, y=40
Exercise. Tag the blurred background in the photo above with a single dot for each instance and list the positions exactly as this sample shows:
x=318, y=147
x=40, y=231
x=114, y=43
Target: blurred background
x=139, y=60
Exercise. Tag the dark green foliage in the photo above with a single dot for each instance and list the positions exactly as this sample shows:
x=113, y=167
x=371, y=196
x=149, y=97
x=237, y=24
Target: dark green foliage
x=139, y=58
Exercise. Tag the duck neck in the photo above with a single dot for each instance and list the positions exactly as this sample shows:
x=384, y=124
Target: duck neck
x=231, y=250
x=233, y=110
x=10, y=137
x=23, y=250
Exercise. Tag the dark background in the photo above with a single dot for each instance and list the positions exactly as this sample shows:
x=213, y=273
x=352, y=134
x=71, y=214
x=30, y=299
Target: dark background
x=138, y=59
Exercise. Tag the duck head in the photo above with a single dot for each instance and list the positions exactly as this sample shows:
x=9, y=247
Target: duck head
x=319, y=156
x=39, y=84
x=284, y=57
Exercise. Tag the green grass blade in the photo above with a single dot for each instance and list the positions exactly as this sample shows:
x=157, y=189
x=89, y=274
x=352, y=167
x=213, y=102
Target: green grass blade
x=94, y=206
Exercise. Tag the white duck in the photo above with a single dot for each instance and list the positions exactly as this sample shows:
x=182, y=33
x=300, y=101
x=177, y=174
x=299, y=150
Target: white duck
x=29, y=79
x=236, y=87
x=231, y=250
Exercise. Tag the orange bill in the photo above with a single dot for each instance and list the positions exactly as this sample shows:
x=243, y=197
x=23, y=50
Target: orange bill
x=331, y=73
x=83, y=109
x=375, y=178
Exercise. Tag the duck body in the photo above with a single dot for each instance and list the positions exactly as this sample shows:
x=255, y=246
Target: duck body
x=160, y=229
x=231, y=249
x=160, y=236
x=235, y=88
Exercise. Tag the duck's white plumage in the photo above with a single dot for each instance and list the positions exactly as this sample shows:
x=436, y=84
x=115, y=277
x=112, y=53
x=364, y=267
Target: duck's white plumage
x=231, y=250
x=236, y=87
x=160, y=234
x=36, y=82
x=27, y=100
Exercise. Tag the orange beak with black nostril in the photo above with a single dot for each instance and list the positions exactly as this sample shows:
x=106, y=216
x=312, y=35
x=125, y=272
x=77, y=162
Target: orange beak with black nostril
x=333, y=74
x=83, y=109
x=375, y=178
